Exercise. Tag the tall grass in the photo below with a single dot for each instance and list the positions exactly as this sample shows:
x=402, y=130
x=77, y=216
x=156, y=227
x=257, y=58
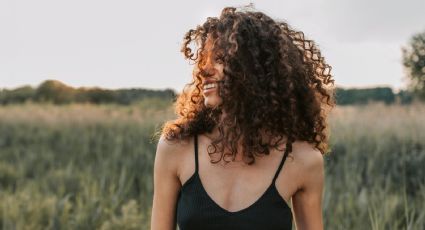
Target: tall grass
x=90, y=167
x=375, y=174
x=77, y=166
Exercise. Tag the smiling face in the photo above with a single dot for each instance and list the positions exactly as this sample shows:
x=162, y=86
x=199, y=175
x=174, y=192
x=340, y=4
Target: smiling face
x=212, y=72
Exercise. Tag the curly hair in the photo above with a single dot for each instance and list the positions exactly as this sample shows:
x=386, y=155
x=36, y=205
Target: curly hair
x=275, y=80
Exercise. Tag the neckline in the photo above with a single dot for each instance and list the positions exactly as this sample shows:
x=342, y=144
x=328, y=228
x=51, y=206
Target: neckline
x=269, y=189
x=272, y=186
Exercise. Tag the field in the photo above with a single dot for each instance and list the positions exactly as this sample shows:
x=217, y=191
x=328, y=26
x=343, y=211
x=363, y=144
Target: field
x=82, y=166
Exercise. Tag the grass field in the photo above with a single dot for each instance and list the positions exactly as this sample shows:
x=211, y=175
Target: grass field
x=90, y=167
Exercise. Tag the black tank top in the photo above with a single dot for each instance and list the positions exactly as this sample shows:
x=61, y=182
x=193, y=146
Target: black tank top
x=197, y=211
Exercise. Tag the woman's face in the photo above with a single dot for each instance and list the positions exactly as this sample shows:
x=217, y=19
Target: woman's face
x=214, y=71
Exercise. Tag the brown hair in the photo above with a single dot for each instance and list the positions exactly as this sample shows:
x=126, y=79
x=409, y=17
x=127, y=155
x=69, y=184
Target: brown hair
x=275, y=80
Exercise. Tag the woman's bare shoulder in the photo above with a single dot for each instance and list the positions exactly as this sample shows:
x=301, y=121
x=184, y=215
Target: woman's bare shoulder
x=306, y=156
x=307, y=164
x=170, y=152
x=172, y=145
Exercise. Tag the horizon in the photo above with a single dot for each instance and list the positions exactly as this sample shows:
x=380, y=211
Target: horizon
x=396, y=90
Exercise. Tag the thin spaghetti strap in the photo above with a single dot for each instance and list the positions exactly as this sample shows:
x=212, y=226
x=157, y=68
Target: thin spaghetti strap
x=280, y=165
x=196, y=153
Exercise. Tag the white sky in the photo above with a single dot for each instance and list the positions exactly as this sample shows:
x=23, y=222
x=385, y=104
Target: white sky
x=129, y=43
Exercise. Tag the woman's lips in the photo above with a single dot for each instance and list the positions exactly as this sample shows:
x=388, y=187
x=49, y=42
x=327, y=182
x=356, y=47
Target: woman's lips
x=208, y=91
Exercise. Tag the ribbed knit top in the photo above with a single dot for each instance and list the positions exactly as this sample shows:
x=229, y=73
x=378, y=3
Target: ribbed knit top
x=196, y=210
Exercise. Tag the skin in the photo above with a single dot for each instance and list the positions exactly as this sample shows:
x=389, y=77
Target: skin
x=235, y=186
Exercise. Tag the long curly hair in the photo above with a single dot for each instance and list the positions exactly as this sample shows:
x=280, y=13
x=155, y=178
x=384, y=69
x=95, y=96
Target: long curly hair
x=275, y=81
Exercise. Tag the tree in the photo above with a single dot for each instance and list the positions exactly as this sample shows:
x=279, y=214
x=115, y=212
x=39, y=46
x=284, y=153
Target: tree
x=54, y=91
x=414, y=64
x=17, y=95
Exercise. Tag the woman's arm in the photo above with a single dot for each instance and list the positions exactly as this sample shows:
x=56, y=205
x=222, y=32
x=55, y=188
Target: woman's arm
x=307, y=202
x=166, y=187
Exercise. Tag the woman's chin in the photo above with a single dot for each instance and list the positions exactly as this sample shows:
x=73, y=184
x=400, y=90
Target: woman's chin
x=211, y=103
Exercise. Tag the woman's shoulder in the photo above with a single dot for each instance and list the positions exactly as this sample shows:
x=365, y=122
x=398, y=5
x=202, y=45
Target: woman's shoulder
x=307, y=158
x=306, y=153
x=170, y=152
x=171, y=145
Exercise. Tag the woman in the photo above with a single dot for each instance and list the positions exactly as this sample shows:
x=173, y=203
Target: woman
x=247, y=149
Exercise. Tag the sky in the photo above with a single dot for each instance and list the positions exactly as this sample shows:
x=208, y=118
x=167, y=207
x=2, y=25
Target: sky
x=136, y=44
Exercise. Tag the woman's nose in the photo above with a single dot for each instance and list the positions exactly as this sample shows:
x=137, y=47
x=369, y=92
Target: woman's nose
x=208, y=71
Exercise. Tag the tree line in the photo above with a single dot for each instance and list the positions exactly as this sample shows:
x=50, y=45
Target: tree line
x=56, y=92
x=378, y=94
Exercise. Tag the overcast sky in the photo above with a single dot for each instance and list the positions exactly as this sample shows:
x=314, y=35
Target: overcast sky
x=133, y=43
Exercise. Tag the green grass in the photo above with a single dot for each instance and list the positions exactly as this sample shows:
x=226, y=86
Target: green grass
x=76, y=166
x=375, y=174
x=90, y=167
